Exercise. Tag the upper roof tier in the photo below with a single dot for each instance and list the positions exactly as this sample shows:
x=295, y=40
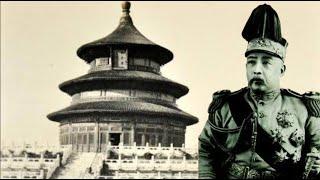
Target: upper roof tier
x=125, y=36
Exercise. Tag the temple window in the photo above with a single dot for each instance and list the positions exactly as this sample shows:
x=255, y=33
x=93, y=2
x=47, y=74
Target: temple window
x=105, y=128
x=79, y=139
x=85, y=139
x=139, y=139
x=74, y=129
x=74, y=139
x=116, y=94
x=103, y=138
x=153, y=140
x=147, y=138
x=120, y=59
x=102, y=62
x=82, y=129
x=150, y=130
x=91, y=138
x=90, y=128
x=126, y=138
x=159, y=139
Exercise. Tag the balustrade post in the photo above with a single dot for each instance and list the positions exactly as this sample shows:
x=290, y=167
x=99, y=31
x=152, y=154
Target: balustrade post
x=25, y=156
x=41, y=157
x=42, y=174
x=136, y=161
x=159, y=148
x=138, y=175
x=120, y=148
x=168, y=163
x=20, y=174
x=134, y=147
x=108, y=149
x=147, y=147
x=184, y=163
x=152, y=162
x=117, y=175
x=119, y=161
x=59, y=160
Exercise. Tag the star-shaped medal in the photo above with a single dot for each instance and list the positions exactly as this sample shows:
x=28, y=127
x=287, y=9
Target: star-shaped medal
x=281, y=156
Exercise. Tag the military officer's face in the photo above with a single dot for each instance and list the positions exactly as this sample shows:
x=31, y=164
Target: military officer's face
x=264, y=72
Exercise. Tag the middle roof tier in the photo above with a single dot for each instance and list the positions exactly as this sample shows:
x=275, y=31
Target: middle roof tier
x=123, y=79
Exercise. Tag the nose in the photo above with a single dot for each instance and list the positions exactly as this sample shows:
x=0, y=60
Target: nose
x=257, y=69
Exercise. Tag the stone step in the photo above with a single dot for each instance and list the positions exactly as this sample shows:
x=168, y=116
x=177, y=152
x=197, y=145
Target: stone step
x=75, y=166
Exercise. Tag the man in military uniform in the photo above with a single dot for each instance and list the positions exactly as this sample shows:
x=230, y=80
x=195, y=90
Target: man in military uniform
x=262, y=131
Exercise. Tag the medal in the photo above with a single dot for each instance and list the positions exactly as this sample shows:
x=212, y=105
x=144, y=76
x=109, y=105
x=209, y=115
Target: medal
x=277, y=136
x=296, y=138
x=281, y=156
x=285, y=119
x=296, y=156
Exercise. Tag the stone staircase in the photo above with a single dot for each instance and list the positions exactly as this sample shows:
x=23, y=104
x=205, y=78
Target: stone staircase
x=75, y=167
x=96, y=166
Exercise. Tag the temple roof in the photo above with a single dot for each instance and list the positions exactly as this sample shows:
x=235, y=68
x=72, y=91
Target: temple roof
x=127, y=36
x=123, y=79
x=124, y=108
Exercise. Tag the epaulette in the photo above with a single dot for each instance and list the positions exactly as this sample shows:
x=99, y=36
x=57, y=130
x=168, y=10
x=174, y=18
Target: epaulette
x=312, y=101
x=289, y=92
x=218, y=98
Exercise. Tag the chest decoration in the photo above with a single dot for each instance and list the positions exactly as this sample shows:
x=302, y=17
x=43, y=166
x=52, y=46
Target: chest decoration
x=261, y=115
x=277, y=136
x=296, y=138
x=296, y=156
x=280, y=156
x=285, y=119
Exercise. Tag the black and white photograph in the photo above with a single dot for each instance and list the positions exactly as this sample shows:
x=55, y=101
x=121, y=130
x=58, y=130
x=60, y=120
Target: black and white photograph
x=160, y=90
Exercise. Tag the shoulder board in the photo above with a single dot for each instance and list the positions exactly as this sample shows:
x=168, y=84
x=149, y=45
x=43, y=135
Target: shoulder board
x=289, y=92
x=218, y=98
x=242, y=90
x=312, y=102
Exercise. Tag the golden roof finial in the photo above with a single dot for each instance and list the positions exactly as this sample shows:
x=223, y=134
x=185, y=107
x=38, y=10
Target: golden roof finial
x=126, y=7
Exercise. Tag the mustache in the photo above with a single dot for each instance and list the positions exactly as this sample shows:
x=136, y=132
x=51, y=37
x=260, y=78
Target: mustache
x=257, y=79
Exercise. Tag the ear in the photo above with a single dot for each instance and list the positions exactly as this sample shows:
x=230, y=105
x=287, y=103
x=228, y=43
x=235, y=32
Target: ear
x=283, y=69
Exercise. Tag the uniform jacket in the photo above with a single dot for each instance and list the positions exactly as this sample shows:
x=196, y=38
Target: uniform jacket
x=266, y=133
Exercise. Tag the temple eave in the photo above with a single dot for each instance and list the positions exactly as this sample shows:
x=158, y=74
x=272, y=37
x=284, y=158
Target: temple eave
x=160, y=54
x=122, y=109
x=127, y=80
x=58, y=116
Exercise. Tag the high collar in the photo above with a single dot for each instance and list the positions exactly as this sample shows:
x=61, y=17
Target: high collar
x=265, y=96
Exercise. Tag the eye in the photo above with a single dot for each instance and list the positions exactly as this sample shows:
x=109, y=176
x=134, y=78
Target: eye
x=251, y=62
x=266, y=62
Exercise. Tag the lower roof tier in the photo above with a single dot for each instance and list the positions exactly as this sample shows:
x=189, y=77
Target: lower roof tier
x=123, y=108
x=124, y=79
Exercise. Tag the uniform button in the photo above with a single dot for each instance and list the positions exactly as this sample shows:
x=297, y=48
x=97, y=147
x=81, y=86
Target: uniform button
x=261, y=115
x=255, y=115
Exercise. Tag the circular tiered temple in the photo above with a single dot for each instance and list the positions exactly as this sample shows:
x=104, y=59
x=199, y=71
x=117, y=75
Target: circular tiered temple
x=123, y=98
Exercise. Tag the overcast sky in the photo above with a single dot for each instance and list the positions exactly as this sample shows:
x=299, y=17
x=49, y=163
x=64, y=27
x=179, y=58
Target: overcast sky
x=39, y=42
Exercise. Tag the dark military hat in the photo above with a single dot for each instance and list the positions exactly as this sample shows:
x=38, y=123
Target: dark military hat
x=263, y=32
